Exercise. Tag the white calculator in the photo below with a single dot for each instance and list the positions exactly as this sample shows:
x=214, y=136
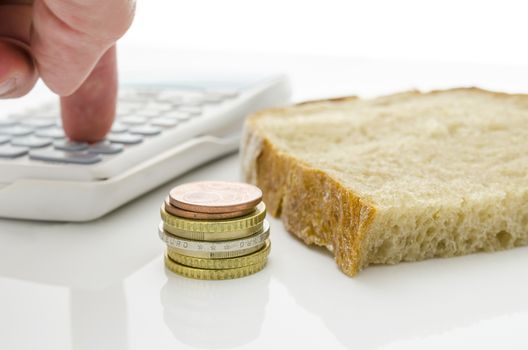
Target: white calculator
x=160, y=132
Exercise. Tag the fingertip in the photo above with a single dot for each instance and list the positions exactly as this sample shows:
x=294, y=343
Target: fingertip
x=18, y=73
x=88, y=114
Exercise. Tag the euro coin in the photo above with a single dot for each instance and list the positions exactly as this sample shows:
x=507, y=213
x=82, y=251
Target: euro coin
x=210, y=249
x=207, y=274
x=220, y=264
x=213, y=236
x=215, y=196
x=228, y=225
x=169, y=208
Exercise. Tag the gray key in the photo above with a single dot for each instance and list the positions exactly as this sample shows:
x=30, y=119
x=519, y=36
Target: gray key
x=51, y=155
x=31, y=141
x=8, y=151
x=118, y=128
x=148, y=113
x=71, y=146
x=53, y=133
x=145, y=130
x=48, y=115
x=164, y=122
x=133, y=120
x=190, y=109
x=173, y=96
x=158, y=106
x=178, y=115
x=105, y=147
x=123, y=109
x=38, y=122
x=16, y=131
x=7, y=122
x=213, y=98
x=193, y=101
x=4, y=139
x=125, y=139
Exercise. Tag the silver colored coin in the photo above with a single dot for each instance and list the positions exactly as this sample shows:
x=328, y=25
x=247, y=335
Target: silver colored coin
x=190, y=246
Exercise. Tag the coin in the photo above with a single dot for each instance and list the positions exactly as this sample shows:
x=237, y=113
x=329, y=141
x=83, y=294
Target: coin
x=213, y=236
x=215, y=226
x=229, y=263
x=191, y=246
x=206, y=274
x=203, y=216
x=215, y=196
x=219, y=255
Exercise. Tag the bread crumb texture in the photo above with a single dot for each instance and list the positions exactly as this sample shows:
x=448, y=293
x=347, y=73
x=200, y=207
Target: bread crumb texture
x=404, y=177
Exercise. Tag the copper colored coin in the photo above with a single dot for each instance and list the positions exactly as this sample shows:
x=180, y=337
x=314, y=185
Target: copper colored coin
x=215, y=197
x=203, y=216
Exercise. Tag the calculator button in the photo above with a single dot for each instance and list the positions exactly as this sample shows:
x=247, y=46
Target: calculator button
x=16, y=131
x=148, y=113
x=123, y=109
x=31, y=142
x=126, y=139
x=173, y=96
x=164, y=122
x=51, y=155
x=71, y=146
x=213, y=98
x=193, y=101
x=53, y=133
x=133, y=120
x=48, y=115
x=8, y=151
x=158, y=106
x=105, y=147
x=38, y=123
x=178, y=115
x=4, y=139
x=190, y=109
x=118, y=128
x=145, y=130
x=7, y=122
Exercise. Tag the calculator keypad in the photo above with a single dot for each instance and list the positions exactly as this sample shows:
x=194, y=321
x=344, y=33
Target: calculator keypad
x=141, y=115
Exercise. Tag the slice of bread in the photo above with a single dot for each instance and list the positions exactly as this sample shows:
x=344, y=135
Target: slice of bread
x=404, y=177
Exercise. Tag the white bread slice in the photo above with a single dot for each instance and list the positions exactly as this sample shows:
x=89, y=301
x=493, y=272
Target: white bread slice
x=404, y=177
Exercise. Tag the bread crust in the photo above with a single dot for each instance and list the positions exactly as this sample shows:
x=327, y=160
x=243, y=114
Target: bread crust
x=312, y=205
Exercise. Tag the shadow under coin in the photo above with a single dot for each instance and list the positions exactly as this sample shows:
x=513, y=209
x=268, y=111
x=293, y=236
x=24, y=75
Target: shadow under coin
x=215, y=314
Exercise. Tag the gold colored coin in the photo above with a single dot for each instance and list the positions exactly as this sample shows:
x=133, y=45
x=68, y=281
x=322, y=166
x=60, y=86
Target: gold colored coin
x=206, y=274
x=216, y=226
x=213, y=236
x=221, y=264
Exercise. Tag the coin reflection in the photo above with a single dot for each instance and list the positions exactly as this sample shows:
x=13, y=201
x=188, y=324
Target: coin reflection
x=215, y=314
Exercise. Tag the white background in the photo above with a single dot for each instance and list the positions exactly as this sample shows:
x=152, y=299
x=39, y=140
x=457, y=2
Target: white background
x=455, y=31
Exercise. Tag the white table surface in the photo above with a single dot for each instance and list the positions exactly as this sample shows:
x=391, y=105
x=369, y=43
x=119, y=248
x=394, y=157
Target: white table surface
x=102, y=284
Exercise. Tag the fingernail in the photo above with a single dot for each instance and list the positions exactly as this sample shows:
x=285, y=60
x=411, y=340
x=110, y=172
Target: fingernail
x=7, y=87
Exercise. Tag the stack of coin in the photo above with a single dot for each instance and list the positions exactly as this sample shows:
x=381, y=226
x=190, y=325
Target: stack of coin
x=215, y=230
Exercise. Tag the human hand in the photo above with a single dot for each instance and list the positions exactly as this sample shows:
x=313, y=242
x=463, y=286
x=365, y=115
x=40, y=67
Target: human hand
x=70, y=44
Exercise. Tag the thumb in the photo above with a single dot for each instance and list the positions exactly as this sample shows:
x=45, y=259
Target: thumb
x=17, y=70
